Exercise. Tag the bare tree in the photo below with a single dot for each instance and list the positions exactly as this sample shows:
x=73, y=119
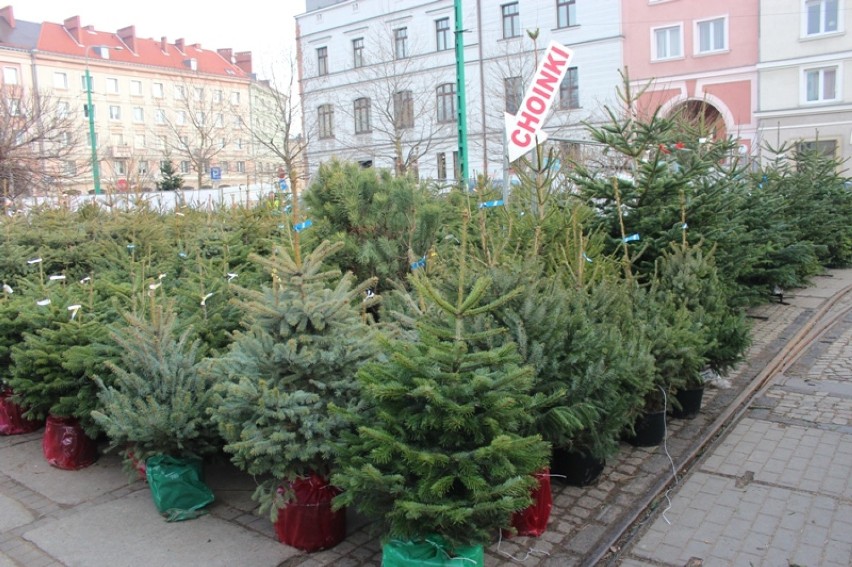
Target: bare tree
x=39, y=137
x=196, y=126
x=402, y=119
x=274, y=128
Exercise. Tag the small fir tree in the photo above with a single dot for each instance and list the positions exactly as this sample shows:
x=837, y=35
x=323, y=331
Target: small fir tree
x=441, y=448
x=306, y=339
x=170, y=179
x=158, y=401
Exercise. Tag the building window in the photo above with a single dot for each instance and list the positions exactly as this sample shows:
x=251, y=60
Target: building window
x=60, y=81
x=821, y=16
x=403, y=109
x=112, y=86
x=358, y=52
x=569, y=90
x=235, y=97
x=442, y=166
x=362, y=115
x=241, y=167
x=157, y=90
x=238, y=144
x=667, y=42
x=442, y=34
x=712, y=35
x=566, y=13
x=513, y=93
x=10, y=76
x=159, y=116
x=322, y=61
x=62, y=109
x=400, y=43
x=138, y=114
x=326, y=121
x=114, y=112
x=225, y=167
x=446, y=94
x=142, y=168
x=136, y=88
x=120, y=167
x=180, y=117
x=64, y=139
x=89, y=86
x=69, y=167
x=180, y=92
x=219, y=121
x=511, y=20
x=200, y=118
x=162, y=142
x=139, y=141
x=198, y=94
x=821, y=84
x=828, y=148
x=184, y=166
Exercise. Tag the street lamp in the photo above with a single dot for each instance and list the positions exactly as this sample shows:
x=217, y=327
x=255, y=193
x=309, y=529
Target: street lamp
x=96, y=168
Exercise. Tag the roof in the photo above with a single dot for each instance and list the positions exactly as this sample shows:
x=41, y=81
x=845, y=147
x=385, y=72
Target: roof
x=57, y=38
x=23, y=35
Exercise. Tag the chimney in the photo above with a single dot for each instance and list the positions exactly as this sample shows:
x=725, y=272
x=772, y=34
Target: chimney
x=72, y=26
x=6, y=14
x=227, y=55
x=243, y=61
x=128, y=36
x=180, y=44
x=164, y=44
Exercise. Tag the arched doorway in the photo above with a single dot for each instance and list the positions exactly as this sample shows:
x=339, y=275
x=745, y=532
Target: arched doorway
x=702, y=117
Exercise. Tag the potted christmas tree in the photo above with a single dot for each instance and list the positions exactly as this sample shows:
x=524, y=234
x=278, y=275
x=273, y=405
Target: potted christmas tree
x=440, y=455
x=13, y=322
x=305, y=340
x=156, y=409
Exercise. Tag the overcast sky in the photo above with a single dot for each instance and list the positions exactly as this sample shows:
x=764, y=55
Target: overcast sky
x=264, y=27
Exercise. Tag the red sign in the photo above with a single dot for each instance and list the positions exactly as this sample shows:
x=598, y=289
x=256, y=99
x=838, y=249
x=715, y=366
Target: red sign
x=524, y=129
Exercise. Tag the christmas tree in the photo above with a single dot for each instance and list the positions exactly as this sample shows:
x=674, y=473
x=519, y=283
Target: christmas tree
x=442, y=447
x=158, y=400
x=170, y=180
x=304, y=342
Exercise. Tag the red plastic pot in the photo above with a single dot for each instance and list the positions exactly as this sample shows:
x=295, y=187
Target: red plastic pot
x=307, y=522
x=12, y=421
x=532, y=521
x=66, y=446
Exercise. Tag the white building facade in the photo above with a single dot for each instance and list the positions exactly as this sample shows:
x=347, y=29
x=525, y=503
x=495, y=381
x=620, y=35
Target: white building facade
x=805, y=75
x=378, y=77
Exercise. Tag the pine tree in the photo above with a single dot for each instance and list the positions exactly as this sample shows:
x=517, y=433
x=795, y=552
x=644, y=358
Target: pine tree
x=158, y=401
x=304, y=342
x=170, y=180
x=443, y=446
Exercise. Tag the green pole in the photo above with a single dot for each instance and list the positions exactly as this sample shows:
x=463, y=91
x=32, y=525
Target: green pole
x=460, y=93
x=96, y=170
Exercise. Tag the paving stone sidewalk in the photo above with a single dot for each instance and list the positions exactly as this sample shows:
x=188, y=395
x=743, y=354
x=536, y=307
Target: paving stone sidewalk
x=97, y=517
x=777, y=490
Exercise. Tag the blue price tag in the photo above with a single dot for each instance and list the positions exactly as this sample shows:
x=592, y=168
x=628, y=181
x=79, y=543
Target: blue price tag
x=418, y=264
x=632, y=237
x=489, y=204
x=303, y=225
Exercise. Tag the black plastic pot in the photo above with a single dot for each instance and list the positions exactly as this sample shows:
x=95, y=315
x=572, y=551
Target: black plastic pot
x=650, y=430
x=690, y=403
x=575, y=468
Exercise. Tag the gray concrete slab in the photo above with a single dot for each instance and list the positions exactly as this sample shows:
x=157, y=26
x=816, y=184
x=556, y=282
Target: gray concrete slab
x=5, y=561
x=25, y=463
x=130, y=527
x=13, y=514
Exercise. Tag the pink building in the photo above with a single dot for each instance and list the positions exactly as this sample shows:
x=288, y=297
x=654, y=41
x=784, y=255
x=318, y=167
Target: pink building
x=697, y=56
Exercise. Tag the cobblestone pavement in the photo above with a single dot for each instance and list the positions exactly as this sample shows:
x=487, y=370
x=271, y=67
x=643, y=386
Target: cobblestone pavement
x=94, y=517
x=776, y=490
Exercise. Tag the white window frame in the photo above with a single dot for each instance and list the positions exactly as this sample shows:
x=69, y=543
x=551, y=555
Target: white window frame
x=696, y=36
x=138, y=114
x=60, y=80
x=63, y=109
x=838, y=83
x=115, y=112
x=180, y=92
x=822, y=19
x=112, y=85
x=10, y=75
x=135, y=88
x=159, y=116
x=180, y=117
x=158, y=90
x=655, y=56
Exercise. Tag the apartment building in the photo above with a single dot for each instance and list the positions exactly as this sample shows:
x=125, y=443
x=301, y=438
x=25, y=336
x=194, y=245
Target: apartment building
x=146, y=100
x=805, y=69
x=698, y=59
x=378, y=79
